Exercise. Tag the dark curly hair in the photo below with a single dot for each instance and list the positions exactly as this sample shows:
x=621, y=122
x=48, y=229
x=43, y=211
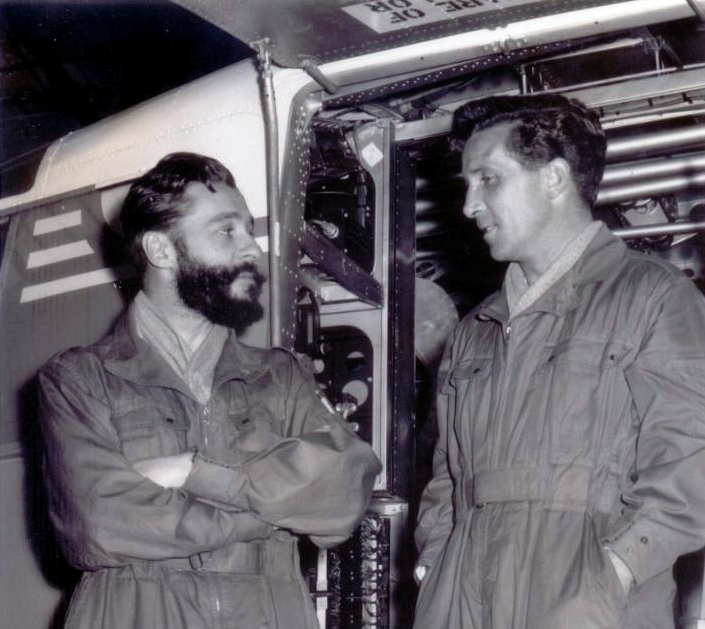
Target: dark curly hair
x=152, y=204
x=544, y=126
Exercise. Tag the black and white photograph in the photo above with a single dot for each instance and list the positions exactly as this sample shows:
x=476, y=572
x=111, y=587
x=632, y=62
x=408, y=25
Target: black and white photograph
x=343, y=314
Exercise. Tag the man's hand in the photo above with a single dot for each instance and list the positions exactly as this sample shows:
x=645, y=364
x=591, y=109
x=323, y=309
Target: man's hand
x=419, y=573
x=167, y=471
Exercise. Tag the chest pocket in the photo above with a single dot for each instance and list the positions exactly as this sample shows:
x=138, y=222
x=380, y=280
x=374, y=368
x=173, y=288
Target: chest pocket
x=147, y=432
x=252, y=426
x=469, y=396
x=580, y=357
x=578, y=388
x=468, y=386
x=469, y=372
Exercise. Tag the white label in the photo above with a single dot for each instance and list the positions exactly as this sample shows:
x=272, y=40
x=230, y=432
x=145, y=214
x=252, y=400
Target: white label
x=384, y=16
x=371, y=154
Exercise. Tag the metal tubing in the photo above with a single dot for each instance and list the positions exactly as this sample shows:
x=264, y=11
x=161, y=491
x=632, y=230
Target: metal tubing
x=269, y=106
x=646, y=143
x=659, y=230
x=655, y=114
x=315, y=73
x=689, y=164
x=646, y=189
x=428, y=227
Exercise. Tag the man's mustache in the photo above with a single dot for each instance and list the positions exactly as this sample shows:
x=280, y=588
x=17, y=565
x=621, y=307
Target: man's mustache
x=230, y=274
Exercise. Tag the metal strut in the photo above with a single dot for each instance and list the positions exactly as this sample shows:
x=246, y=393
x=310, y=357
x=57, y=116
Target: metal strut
x=264, y=48
x=311, y=68
x=699, y=9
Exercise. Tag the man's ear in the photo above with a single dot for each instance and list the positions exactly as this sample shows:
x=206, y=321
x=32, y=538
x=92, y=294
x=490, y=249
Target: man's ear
x=556, y=177
x=159, y=250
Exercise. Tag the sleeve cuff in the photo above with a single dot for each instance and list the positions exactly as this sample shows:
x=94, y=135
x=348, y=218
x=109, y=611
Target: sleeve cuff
x=221, y=483
x=635, y=544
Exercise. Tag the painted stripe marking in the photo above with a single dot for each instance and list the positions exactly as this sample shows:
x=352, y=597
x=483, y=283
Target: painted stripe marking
x=76, y=282
x=52, y=255
x=57, y=223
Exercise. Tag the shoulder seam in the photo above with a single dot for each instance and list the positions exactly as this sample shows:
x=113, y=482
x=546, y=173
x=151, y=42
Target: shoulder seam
x=665, y=266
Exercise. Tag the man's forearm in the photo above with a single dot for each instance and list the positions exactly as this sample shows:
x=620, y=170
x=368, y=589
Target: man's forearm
x=316, y=484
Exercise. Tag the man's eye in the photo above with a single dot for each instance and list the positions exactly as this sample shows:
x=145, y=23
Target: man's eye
x=226, y=231
x=488, y=180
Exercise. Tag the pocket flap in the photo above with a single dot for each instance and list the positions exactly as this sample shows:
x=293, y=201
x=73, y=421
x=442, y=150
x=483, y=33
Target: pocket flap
x=470, y=368
x=588, y=354
x=141, y=423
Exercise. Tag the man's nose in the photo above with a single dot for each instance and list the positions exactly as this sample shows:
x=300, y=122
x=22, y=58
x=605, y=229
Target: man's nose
x=473, y=205
x=250, y=249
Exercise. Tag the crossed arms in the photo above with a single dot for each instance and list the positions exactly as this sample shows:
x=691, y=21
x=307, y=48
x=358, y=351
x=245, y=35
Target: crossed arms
x=107, y=510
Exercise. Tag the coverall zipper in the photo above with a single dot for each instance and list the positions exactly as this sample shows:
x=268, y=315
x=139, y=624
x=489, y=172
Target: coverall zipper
x=499, y=401
x=206, y=424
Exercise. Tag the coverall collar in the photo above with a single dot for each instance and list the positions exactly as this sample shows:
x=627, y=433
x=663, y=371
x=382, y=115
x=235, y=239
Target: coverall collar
x=132, y=358
x=601, y=256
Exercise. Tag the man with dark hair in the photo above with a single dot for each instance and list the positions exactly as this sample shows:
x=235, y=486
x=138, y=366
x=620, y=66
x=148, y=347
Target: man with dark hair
x=570, y=463
x=182, y=464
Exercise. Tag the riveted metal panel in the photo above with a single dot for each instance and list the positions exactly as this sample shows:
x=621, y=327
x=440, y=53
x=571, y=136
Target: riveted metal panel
x=330, y=30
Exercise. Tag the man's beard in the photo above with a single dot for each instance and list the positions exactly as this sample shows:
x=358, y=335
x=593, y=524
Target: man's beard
x=206, y=289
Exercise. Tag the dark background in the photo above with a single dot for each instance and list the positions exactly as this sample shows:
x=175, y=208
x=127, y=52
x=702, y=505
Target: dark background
x=65, y=65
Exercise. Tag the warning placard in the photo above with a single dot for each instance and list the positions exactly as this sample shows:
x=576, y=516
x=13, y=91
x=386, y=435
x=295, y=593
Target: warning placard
x=384, y=16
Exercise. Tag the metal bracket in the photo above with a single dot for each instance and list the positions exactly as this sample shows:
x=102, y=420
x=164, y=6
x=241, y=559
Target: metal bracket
x=344, y=270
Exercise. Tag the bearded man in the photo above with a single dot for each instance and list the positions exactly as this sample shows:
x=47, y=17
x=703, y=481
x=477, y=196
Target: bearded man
x=182, y=464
